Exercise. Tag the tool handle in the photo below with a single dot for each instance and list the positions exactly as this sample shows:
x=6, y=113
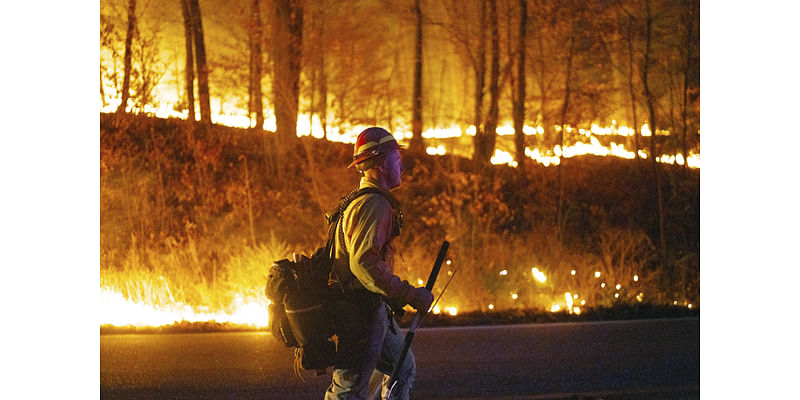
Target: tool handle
x=437, y=265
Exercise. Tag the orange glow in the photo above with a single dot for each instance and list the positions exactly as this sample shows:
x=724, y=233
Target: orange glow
x=538, y=275
x=646, y=130
x=311, y=125
x=116, y=310
x=503, y=157
x=436, y=151
x=227, y=110
x=452, y=131
x=546, y=159
x=119, y=311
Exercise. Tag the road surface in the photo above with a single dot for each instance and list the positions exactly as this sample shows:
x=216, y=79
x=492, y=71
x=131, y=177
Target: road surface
x=651, y=359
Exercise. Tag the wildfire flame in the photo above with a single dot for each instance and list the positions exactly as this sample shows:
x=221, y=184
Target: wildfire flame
x=229, y=114
x=553, y=157
x=538, y=275
x=116, y=310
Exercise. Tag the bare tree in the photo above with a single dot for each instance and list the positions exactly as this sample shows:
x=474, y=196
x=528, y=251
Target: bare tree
x=150, y=68
x=256, y=62
x=323, y=86
x=200, y=61
x=573, y=67
x=479, y=65
x=189, y=72
x=417, y=143
x=314, y=58
x=548, y=33
x=490, y=131
x=519, y=99
x=560, y=220
x=359, y=69
x=466, y=25
x=691, y=64
x=631, y=89
x=126, y=83
x=108, y=41
x=631, y=31
x=287, y=40
x=626, y=29
x=651, y=106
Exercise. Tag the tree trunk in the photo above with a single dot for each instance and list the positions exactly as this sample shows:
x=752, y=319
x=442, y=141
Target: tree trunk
x=323, y=95
x=564, y=108
x=494, y=91
x=323, y=81
x=687, y=70
x=651, y=109
x=189, y=75
x=126, y=81
x=287, y=51
x=312, y=94
x=251, y=81
x=480, y=72
x=200, y=60
x=631, y=89
x=546, y=125
x=519, y=105
x=417, y=144
x=256, y=65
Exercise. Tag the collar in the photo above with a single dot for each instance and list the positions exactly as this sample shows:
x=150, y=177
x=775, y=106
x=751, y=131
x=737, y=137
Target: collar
x=366, y=182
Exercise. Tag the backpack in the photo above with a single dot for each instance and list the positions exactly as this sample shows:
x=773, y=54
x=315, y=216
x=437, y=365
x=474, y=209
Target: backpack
x=301, y=310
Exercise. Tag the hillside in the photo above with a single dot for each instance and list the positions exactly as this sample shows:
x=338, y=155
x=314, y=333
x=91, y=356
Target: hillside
x=196, y=215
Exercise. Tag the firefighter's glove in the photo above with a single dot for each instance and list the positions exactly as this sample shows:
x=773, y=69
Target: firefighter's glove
x=420, y=298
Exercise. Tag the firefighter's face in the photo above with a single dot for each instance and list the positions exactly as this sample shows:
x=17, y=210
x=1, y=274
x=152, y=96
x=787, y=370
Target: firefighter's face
x=393, y=169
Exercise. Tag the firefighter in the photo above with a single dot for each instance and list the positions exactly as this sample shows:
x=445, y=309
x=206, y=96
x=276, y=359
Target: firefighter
x=368, y=336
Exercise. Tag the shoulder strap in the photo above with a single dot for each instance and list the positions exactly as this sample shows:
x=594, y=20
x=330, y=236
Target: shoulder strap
x=347, y=199
x=333, y=222
x=336, y=214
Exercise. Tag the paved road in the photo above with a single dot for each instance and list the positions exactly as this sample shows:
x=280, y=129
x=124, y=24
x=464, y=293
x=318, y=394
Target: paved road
x=654, y=359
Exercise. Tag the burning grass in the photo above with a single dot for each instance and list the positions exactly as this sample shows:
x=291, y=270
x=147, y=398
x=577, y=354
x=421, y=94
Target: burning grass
x=191, y=218
x=155, y=288
x=472, y=318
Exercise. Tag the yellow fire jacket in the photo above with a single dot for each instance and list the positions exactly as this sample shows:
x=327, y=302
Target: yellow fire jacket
x=363, y=242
